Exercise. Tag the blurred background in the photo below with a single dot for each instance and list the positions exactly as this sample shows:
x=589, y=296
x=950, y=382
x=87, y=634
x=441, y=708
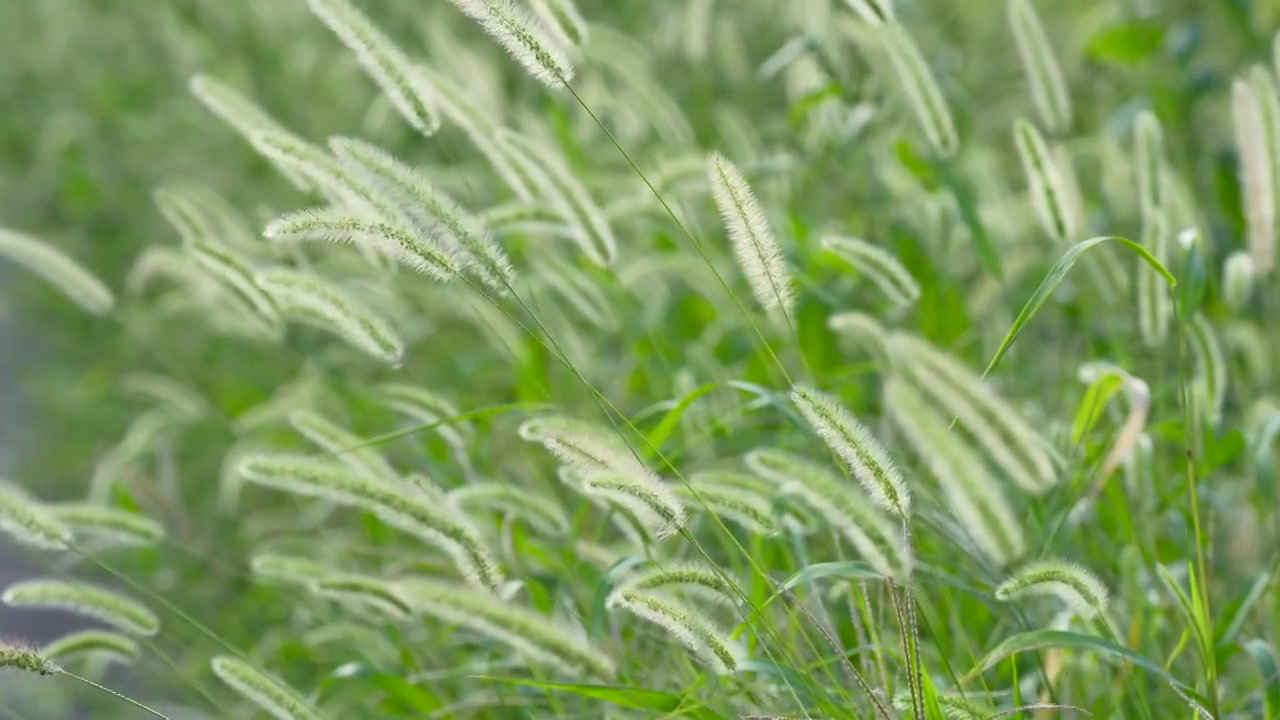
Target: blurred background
x=95, y=114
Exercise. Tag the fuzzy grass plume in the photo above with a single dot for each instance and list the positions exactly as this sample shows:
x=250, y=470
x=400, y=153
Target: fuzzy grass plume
x=320, y=301
x=878, y=265
x=14, y=656
x=530, y=634
x=109, y=606
x=703, y=580
x=854, y=444
x=119, y=648
x=243, y=115
x=418, y=252
x=30, y=523
x=402, y=509
x=432, y=211
x=609, y=469
x=522, y=37
x=918, y=84
x=1044, y=76
x=1249, y=113
x=344, y=445
x=109, y=524
x=1075, y=586
x=972, y=495
x=386, y=63
x=547, y=171
x=1049, y=194
x=56, y=268
x=711, y=645
x=842, y=507
x=270, y=695
x=1155, y=307
x=754, y=245
x=994, y=423
x=540, y=511
x=748, y=509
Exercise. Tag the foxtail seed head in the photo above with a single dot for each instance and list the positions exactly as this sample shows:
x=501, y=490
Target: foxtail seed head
x=854, y=444
x=1078, y=588
x=522, y=37
x=14, y=656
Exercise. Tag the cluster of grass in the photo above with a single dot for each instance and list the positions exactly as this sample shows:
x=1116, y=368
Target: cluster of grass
x=524, y=358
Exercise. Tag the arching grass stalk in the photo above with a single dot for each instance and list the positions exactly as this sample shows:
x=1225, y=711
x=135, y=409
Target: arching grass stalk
x=610, y=411
x=558, y=352
x=19, y=657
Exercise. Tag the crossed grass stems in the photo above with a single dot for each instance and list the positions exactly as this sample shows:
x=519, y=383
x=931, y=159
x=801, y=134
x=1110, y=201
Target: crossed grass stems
x=901, y=597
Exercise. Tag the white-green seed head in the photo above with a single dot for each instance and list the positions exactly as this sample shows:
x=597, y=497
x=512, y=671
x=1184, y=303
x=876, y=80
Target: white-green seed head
x=1075, y=586
x=113, y=525
x=28, y=522
x=918, y=83
x=754, y=244
x=1238, y=275
x=400, y=507
x=244, y=116
x=59, y=270
x=112, y=646
x=1049, y=194
x=270, y=695
x=109, y=606
x=972, y=495
x=711, y=645
x=522, y=37
x=347, y=447
x=386, y=63
x=1256, y=134
x=532, y=635
x=321, y=301
x=878, y=265
x=1044, y=76
x=17, y=656
x=854, y=444
x=840, y=505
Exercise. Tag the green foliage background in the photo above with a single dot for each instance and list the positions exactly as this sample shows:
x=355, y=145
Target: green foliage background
x=96, y=115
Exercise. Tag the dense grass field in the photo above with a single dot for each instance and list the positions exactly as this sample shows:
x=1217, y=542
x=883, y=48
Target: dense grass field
x=759, y=359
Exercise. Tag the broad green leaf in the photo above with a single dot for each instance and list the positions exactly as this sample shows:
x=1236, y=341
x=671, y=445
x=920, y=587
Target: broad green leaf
x=1062, y=639
x=360, y=677
x=604, y=587
x=800, y=110
x=668, y=424
x=1220, y=449
x=1055, y=277
x=1126, y=44
x=845, y=569
x=1234, y=615
x=1194, y=612
x=1095, y=400
x=410, y=696
x=916, y=165
x=932, y=710
x=1264, y=656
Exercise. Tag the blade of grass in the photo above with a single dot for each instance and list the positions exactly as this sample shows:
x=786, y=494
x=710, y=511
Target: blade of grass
x=1055, y=277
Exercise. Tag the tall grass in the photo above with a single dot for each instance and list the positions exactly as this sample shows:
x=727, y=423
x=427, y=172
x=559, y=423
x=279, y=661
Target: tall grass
x=705, y=359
